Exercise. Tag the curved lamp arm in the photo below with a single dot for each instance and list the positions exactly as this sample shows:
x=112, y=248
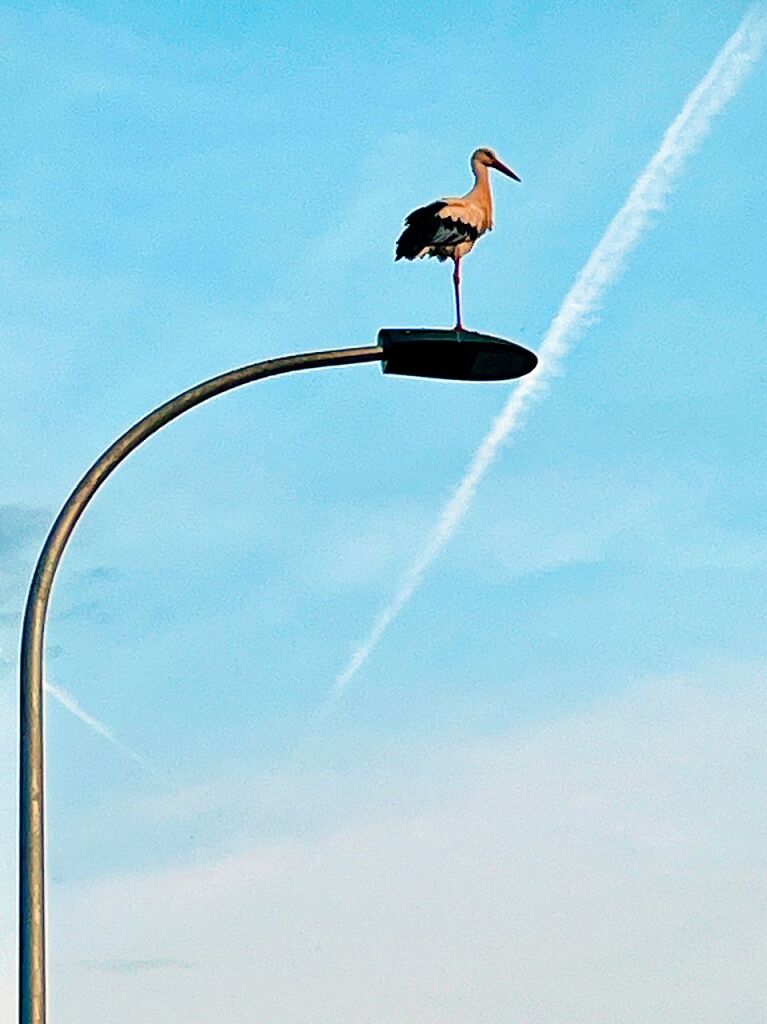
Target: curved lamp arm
x=32, y=1001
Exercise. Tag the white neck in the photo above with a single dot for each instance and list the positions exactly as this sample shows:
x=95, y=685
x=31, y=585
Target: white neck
x=481, y=190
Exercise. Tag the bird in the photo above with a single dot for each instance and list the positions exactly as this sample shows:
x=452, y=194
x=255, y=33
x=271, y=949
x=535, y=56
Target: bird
x=449, y=228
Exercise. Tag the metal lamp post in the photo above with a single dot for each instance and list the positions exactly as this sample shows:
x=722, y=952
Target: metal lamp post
x=453, y=355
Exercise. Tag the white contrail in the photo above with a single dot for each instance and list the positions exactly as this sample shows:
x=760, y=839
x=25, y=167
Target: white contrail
x=68, y=701
x=606, y=262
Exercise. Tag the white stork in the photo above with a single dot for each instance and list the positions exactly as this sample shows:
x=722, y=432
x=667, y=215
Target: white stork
x=449, y=227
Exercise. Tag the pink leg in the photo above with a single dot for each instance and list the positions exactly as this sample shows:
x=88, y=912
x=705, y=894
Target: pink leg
x=457, y=287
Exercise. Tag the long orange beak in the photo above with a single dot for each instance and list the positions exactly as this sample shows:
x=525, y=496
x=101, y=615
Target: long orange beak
x=505, y=170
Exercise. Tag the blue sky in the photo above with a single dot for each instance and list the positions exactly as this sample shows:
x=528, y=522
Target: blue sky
x=186, y=189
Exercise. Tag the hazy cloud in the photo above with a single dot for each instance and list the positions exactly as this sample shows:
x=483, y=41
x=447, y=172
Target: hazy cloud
x=606, y=865
x=18, y=524
x=137, y=966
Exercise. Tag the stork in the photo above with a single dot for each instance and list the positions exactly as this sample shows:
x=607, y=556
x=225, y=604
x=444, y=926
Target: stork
x=448, y=228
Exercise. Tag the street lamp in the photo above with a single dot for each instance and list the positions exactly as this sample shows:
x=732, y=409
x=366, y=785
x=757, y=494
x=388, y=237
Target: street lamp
x=451, y=355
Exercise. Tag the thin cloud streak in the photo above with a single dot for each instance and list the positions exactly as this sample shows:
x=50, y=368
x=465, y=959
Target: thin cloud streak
x=68, y=701
x=605, y=264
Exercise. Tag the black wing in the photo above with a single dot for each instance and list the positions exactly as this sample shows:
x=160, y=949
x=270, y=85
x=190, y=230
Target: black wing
x=425, y=227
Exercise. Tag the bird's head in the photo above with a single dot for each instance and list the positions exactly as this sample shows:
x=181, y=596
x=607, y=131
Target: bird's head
x=487, y=158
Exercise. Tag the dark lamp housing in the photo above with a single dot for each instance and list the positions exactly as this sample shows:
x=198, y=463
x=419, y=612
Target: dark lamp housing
x=452, y=354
